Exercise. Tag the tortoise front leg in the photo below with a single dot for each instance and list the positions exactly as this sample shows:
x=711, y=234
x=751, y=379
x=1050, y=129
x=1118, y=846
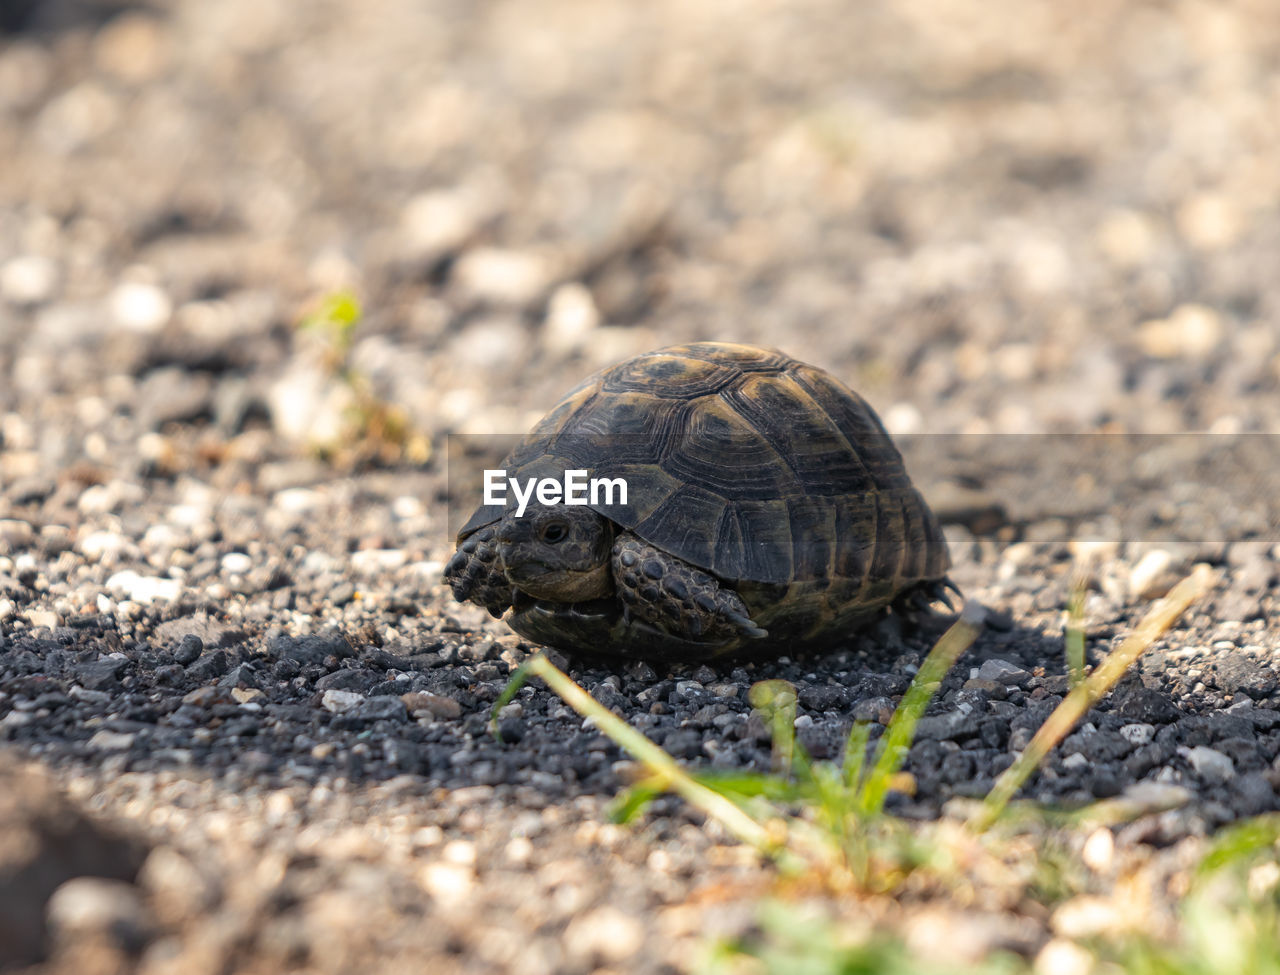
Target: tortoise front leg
x=676, y=597
x=475, y=573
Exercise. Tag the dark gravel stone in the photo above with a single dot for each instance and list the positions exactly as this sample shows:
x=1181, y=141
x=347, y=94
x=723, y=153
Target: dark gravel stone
x=1222, y=726
x=309, y=649
x=1146, y=705
x=512, y=729
x=286, y=669
x=820, y=742
x=1057, y=684
x=1235, y=673
x=608, y=696
x=872, y=709
x=102, y=674
x=1147, y=758
x=994, y=732
x=1191, y=730
x=1264, y=719
x=1099, y=746
x=189, y=649
x=953, y=726
x=824, y=697
x=210, y=666
x=1003, y=672
x=1243, y=753
x=242, y=675
x=381, y=709
x=1252, y=794
x=988, y=688
x=878, y=685
x=683, y=743
x=957, y=767
x=348, y=679
x=1105, y=783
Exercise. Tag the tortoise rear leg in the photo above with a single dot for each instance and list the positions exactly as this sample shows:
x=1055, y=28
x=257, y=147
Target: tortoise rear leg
x=676, y=597
x=917, y=601
x=475, y=574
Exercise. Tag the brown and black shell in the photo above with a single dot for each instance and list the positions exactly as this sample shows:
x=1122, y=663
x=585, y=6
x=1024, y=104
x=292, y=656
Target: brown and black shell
x=767, y=472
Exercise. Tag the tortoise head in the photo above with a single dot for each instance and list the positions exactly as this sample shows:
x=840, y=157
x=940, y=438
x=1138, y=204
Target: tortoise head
x=557, y=552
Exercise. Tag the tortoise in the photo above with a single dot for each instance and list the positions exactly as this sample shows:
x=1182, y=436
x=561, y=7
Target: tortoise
x=766, y=507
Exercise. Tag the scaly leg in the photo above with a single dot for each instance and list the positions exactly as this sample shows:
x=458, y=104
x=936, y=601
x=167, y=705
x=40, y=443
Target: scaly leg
x=676, y=597
x=475, y=573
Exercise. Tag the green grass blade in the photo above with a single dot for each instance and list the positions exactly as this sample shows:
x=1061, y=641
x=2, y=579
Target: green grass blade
x=776, y=700
x=516, y=682
x=1241, y=842
x=855, y=754
x=630, y=803
x=1075, y=630
x=893, y=747
x=750, y=785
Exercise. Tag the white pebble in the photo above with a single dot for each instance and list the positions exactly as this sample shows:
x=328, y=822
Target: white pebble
x=28, y=280
x=902, y=419
x=297, y=500
x=1099, y=850
x=140, y=307
x=1151, y=577
x=407, y=506
x=460, y=852
x=1210, y=764
x=448, y=883
x=571, y=318
x=375, y=560
x=144, y=589
x=44, y=617
x=502, y=277
x=440, y=220
x=86, y=905
x=15, y=533
x=236, y=563
x=604, y=934
x=111, y=741
x=1138, y=734
x=338, y=701
x=1190, y=332
x=1063, y=957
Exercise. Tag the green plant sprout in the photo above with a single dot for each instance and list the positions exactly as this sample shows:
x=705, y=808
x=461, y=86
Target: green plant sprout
x=377, y=431
x=1075, y=629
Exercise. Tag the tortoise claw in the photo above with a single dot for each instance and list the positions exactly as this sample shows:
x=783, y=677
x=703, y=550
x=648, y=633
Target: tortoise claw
x=918, y=600
x=745, y=625
x=941, y=591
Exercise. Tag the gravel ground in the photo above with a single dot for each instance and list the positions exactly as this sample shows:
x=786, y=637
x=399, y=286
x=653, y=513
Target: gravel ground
x=233, y=648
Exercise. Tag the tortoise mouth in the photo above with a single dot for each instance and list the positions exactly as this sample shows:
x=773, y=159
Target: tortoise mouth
x=595, y=628
x=604, y=610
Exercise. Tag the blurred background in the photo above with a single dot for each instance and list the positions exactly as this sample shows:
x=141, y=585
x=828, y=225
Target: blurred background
x=984, y=215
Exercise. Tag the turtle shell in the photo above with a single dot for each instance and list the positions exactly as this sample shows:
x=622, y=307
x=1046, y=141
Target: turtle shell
x=767, y=472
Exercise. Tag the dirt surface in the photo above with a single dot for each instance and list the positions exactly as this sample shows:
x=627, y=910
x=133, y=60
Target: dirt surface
x=995, y=220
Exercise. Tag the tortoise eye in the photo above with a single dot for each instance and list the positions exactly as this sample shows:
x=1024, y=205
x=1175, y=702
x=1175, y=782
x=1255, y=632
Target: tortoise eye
x=554, y=532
